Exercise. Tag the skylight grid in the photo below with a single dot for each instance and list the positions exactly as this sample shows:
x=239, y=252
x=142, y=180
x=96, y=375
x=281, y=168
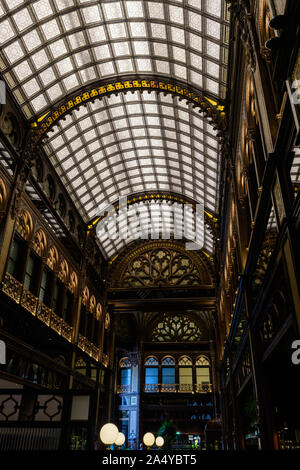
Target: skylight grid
x=51, y=48
x=156, y=219
x=127, y=146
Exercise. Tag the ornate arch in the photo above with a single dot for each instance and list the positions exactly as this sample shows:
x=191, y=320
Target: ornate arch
x=92, y=304
x=3, y=195
x=24, y=225
x=85, y=296
x=73, y=282
x=207, y=105
x=157, y=264
x=64, y=272
x=53, y=258
x=98, y=311
x=40, y=243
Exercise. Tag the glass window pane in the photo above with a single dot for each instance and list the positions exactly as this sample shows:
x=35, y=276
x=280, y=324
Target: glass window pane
x=151, y=375
x=202, y=374
x=125, y=376
x=168, y=375
x=185, y=375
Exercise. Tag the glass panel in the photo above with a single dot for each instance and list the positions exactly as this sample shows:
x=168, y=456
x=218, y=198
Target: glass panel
x=29, y=272
x=13, y=258
x=50, y=49
x=125, y=376
x=151, y=375
x=185, y=375
x=202, y=375
x=168, y=375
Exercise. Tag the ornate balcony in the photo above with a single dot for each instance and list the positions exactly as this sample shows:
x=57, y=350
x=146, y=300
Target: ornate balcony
x=44, y=313
x=12, y=287
x=29, y=301
x=66, y=331
x=123, y=389
x=181, y=388
x=203, y=388
x=168, y=388
x=151, y=388
x=56, y=323
x=89, y=348
x=16, y=291
x=185, y=388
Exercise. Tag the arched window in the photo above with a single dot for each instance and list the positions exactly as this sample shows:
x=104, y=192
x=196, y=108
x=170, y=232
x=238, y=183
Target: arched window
x=202, y=361
x=168, y=361
x=125, y=375
x=185, y=374
x=203, y=383
x=168, y=374
x=151, y=374
x=185, y=361
x=151, y=361
x=124, y=362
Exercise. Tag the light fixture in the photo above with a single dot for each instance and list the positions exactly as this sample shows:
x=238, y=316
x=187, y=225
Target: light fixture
x=159, y=441
x=148, y=439
x=120, y=440
x=108, y=434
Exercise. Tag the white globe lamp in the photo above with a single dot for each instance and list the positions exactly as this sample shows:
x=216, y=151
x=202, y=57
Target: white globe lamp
x=159, y=441
x=148, y=439
x=120, y=440
x=108, y=434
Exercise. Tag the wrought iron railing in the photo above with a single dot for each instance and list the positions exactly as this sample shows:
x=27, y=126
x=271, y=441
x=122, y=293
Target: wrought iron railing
x=123, y=389
x=181, y=388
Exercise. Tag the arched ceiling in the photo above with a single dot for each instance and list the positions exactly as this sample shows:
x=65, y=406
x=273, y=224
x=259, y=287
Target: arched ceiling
x=51, y=47
x=127, y=142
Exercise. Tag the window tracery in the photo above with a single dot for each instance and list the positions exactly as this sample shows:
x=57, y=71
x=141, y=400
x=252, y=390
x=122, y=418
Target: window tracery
x=202, y=361
x=124, y=362
x=168, y=361
x=151, y=361
x=185, y=361
x=176, y=329
x=163, y=266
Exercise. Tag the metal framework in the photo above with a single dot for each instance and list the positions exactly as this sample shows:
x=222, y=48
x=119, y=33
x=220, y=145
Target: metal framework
x=123, y=143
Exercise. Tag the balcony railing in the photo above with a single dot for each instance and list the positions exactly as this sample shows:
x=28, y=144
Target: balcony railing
x=185, y=388
x=123, y=389
x=181, y=388
x=85, y=345
x=16, y=291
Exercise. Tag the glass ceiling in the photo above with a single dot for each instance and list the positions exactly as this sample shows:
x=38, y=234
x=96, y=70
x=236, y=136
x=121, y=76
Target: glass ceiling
x=135, y=142
x=131, y=142
x=158, y=218
x=51, y=47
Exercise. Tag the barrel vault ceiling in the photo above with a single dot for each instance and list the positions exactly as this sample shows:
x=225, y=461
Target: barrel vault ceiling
x=125, y=143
